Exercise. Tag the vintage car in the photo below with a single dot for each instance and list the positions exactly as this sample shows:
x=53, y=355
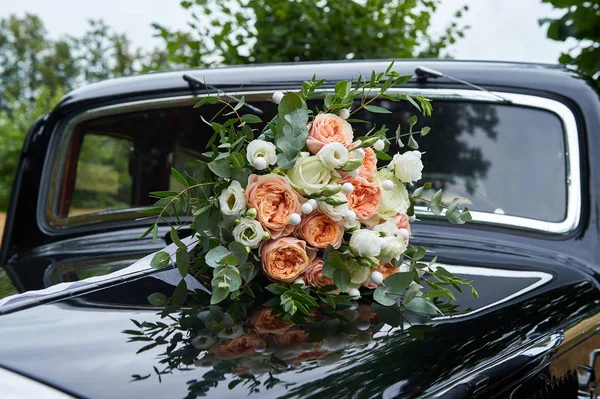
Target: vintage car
x=516, y=140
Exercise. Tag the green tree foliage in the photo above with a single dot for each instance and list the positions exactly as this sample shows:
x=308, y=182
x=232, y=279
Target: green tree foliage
x=35, y=71
x=581, y=21
x=261, y=31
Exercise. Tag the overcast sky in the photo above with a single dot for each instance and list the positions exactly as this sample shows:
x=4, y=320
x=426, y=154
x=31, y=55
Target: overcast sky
x=500, y=29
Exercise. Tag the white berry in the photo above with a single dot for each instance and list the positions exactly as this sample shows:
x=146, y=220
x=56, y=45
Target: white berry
x=354, y=293
x=295, y=219
x=376, y=278
x=353, y=305
x=350, y=215
x=260, y=163
x=411, y=219
x=379, y=145
x=363, y=325
x=359, y=153
x=403, y=233
x=345, y=113
x=347, y=188
x=307, y=208
x=387, y=185
x=313, y=203
x=354, y=173
x=277, y=96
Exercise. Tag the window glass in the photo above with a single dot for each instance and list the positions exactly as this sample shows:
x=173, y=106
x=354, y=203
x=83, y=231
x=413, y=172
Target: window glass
x=503, y=159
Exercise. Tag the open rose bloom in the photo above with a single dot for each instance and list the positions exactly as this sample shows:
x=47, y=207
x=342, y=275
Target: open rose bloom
x=312, y=207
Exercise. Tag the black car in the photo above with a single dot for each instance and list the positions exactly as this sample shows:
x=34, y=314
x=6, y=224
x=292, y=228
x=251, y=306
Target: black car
x=521, y=148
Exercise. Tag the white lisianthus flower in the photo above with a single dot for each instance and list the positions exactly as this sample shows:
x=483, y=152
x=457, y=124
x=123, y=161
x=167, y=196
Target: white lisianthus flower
x=388, y=227
x=261, y=149
x=249, y=232
x=407, y=167
x=393, y=201
x=335, y=212
x=333, y=155
x=232, y=200
x=393, y=248
x=309, y=175
x=365, y=243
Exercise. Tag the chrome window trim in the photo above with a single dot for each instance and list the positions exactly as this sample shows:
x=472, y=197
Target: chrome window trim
x=50, y=223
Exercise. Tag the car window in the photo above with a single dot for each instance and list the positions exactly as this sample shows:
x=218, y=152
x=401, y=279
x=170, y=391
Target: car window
x=504, y=159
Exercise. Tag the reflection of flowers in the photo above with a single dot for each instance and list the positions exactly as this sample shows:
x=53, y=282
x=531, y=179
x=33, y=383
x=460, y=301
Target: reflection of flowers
x=238, y=347
x=266, y=323
x=258, y=344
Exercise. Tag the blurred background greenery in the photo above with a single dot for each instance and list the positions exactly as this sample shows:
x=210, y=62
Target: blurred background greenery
x=36, y=70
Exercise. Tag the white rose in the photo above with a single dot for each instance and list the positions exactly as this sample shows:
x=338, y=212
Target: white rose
x=392, y=249
x=333, y=155
x=336, y=212
x=365, y=243
x=233, y=200
x=389, y=227
x=392, y=201
x=249, y=232
x=408, y=166
x=261, y=149
x=309, y=175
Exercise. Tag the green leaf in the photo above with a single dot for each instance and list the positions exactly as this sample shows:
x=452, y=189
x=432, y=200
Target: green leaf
x=250, y=118
x=220, y=167
x=218, y=295
x=207, y=222
x=341, y=277
x=248, y=271
x=436, y=203
x=158, y=299
x=380, y=295
x=465, y=215
x=239, y=251
x=377, y=110
x=215, y=255
x=411, y=293
x=237, y=160
x=179, y=177
x=390, y=315
x=420, y=253
x=342, y=88
x=382, y=156
x=412, y=121
x=398, y=282
x=182, y=258
x=421, y=305
x=180, y=294
x=160, y=260
x=240, y=103
x=176, y=240
x=425, y=130
x=412, y=143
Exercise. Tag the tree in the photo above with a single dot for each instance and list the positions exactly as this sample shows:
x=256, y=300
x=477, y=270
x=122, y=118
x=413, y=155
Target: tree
x=36, y=71
x=581, y=21
x=261, y=31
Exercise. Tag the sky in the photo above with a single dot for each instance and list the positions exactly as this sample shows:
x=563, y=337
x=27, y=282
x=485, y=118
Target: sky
x=505, y=30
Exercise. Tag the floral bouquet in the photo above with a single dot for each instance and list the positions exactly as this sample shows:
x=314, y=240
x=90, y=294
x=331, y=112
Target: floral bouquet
x=304, y=209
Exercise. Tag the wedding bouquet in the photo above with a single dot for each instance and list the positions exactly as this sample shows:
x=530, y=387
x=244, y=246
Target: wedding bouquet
x=306, y=210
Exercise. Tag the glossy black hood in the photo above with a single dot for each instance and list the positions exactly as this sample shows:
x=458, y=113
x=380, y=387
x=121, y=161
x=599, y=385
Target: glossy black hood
x=78, y=344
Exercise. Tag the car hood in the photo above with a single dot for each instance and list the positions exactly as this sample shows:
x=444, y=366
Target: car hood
x=90, y=345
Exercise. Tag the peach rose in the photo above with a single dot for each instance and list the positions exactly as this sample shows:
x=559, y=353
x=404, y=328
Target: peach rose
x=319, y=230
x=364, y=199
x=292, y=337
x=306, y=356
x=284, y=259
x=238, y=347
x=328, y=128
x=313, y=276
x=402, y=221
x=274, y=200
x=368, y=170
x=387, y=269
x=266, y=323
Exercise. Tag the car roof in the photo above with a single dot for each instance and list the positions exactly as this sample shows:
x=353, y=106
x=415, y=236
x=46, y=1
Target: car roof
x=546, y=77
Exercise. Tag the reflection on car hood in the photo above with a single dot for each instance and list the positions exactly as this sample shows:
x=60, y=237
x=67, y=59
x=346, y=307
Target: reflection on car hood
x=78, y=344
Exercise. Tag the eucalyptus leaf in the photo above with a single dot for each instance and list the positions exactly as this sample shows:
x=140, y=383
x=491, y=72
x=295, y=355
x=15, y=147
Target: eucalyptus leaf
x=182, y=258
x=215, y=255
x=160, y=260
x=380, y=295
x=377, y=110
x=158, y=299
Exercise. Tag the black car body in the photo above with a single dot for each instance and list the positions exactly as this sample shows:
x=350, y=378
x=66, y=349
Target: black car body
x=532, y=250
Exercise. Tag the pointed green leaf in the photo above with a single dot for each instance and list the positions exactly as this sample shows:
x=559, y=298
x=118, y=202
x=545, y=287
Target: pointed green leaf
x=160, y=260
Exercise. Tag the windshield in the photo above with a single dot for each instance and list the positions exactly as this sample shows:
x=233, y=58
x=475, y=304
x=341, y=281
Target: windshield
x=503, y=159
